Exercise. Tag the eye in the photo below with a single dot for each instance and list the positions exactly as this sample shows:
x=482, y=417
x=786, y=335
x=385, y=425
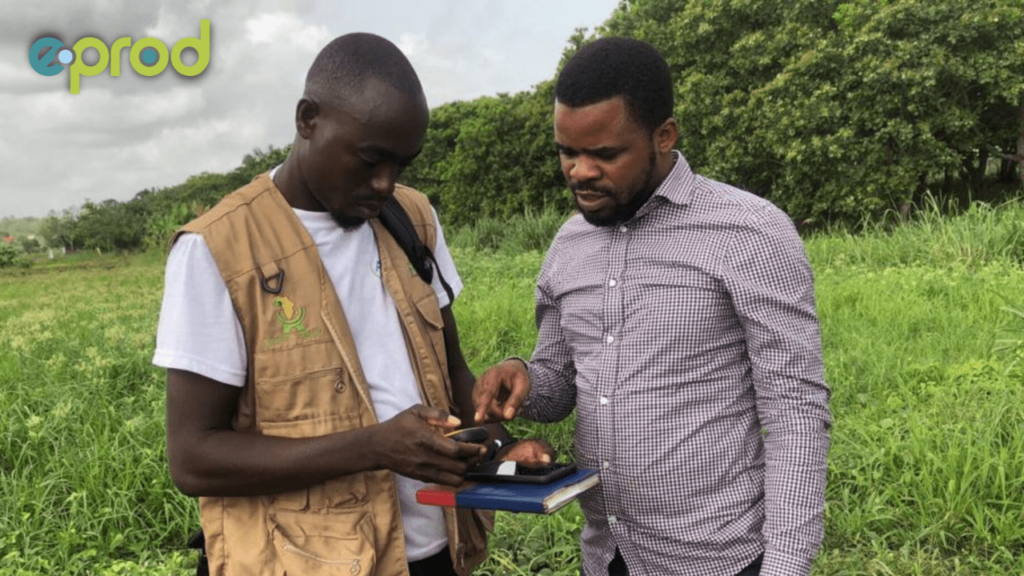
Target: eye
x=389, y=164
x=606, y=155
x=565, y=152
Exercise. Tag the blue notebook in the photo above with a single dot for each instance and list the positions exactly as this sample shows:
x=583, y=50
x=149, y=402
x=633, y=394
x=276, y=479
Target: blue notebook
x=532, y=498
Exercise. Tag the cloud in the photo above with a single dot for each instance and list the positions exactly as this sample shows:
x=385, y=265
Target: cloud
x=121, y=135
x=282, y=27
x=125, y=134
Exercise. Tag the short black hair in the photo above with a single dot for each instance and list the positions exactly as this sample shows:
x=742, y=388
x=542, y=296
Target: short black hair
x=615, y=66
x=348, y=61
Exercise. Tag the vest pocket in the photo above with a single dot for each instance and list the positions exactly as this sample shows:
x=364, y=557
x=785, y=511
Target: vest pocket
x=350, y=490
x=428, y=307
x=319, y=394
x=324, y=544
x=433, y=326
x=345, y=491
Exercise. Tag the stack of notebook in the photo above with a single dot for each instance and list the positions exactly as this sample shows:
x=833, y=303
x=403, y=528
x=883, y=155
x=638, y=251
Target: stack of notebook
x=533, y=498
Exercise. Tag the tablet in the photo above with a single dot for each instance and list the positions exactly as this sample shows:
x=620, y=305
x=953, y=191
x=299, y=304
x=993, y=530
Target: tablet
x=508, y=471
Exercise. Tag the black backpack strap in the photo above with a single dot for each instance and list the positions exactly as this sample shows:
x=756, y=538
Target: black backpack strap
x=397, y=222
x=198, y=542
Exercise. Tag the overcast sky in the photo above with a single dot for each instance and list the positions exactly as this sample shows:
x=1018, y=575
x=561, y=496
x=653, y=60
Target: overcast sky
x=121, y=135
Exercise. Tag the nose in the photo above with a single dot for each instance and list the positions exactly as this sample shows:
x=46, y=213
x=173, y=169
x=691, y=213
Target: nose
x=583, y=169
x=384, y=178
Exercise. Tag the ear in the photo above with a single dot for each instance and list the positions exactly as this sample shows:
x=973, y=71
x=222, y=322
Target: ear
x=307, y=114
x=666, y=135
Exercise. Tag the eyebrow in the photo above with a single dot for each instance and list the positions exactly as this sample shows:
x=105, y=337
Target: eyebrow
x=603, y=150
x=383, y=154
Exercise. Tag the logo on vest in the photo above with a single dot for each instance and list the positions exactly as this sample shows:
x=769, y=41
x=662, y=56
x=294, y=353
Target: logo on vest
x=290, y=317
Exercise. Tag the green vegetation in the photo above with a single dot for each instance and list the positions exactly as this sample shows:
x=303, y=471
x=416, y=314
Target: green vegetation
x=832, y=109
x=492, y=157
x=19, y=227
x=922, y=350
x=12, y=257
x=845, y=114
x=150, y=218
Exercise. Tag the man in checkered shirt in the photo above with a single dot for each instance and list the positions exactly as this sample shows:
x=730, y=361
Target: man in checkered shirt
x=677, y=315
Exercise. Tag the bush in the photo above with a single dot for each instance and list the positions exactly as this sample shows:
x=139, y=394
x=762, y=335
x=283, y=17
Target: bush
x=529, y=232
x=30, y=245
x=10, y=257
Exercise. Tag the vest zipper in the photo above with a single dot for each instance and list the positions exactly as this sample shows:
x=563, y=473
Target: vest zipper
x=304, y=375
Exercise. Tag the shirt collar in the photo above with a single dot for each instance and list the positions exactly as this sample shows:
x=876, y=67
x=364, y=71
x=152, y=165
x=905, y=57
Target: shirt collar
x=678, y=185
x=676, y=188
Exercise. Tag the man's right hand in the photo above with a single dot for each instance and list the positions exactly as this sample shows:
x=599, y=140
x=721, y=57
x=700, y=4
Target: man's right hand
x=411, y=445
x=500, y=391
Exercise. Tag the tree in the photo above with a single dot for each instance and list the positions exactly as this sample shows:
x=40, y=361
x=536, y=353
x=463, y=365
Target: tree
x=835, y=108
x=491, y=157
x=10, y=257
x=260, y=161
x=62, y=229
x=30, y=245
x=112, y=225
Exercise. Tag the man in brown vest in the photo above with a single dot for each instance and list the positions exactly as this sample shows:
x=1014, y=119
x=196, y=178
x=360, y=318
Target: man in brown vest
x=310, y=369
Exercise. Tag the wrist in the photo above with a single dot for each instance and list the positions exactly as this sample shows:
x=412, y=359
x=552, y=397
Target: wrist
x=372, y=443
x=519, y=362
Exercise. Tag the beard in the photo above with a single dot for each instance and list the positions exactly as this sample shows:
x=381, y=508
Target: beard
x=622, y=212
x=348, y=223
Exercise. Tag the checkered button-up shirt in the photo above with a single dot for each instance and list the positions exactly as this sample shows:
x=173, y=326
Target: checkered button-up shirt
x=687, y=340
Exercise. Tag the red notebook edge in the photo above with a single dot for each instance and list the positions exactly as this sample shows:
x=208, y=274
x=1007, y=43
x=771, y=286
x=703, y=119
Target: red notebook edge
x=435, y=495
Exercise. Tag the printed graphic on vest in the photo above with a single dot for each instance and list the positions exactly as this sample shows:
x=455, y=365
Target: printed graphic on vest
x=376, y=269
x=290, y=317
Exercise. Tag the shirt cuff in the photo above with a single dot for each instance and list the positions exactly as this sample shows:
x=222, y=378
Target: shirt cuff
x=781, y=564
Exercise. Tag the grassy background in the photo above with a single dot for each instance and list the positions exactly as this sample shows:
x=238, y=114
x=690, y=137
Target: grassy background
x=926, y=472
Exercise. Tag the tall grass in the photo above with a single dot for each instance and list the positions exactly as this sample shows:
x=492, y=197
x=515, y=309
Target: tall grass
x=83, y=482
x=926, y=471
x=532, y=231
x=980, y=235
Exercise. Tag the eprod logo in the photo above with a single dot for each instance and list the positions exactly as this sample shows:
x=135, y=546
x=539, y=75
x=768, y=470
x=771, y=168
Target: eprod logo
x=148, y=57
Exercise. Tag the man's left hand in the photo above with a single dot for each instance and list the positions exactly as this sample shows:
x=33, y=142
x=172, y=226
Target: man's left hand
x=530, y=452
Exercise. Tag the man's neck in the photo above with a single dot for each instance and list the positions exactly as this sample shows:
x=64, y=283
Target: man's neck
x=666, y=162
x=288, y=179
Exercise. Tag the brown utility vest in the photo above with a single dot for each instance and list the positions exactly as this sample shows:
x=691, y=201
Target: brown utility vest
x=304, y=379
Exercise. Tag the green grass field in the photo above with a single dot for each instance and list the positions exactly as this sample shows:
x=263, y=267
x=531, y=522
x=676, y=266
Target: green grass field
x=926, y=473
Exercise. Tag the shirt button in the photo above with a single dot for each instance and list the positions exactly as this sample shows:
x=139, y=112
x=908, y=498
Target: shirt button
x=623, y=228
x=604, y=400
x=612, y=519
x=605, y=465
x=612, y=282
x=610, y=339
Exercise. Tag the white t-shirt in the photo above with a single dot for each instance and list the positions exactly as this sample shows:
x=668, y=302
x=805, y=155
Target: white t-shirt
x=199, y=332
